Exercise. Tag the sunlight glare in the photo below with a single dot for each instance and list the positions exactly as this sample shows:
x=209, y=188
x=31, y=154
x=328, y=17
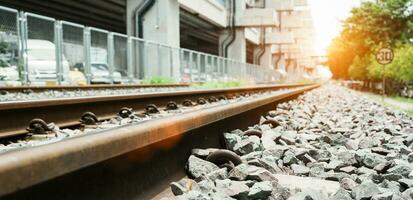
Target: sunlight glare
x=327, y=15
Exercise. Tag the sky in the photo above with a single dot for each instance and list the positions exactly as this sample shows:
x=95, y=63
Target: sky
x=327, y=15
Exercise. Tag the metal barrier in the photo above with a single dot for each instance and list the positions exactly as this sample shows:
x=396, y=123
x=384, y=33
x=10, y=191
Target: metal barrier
x=39, y=50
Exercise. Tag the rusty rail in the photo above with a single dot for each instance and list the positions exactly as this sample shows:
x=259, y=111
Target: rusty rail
x=87, y=87
x=28, y=167
x=65, y=112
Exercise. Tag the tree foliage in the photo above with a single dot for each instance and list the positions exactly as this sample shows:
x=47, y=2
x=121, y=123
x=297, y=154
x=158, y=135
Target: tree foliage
x=372, y=25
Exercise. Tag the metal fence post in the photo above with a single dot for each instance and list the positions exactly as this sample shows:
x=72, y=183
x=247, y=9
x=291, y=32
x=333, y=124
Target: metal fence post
x=86, y=53
x=23, y=47
x=58, y=40
x=146, y=70
x=198, y=66
x=171, y=62
x=158, y=60
x=111, y=56
x=190, y=60
x=129, y=58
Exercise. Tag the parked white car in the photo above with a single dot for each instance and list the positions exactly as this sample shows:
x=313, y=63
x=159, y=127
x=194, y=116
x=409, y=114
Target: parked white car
x=41, y=59
x=100, y=74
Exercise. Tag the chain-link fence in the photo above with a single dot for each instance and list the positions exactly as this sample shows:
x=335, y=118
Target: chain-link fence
x=41, y=62
x=73, y=51
x=10, y=50
x=40, y=50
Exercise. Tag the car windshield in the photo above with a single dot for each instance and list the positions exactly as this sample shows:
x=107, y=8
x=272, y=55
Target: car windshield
x=41, y=54
x=102, y=67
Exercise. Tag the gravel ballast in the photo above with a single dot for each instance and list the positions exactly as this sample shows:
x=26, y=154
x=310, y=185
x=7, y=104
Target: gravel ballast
x=330, y=143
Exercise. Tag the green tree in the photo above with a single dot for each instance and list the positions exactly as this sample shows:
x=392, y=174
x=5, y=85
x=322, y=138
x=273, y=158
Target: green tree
x=358, y=69
x=340, y=56
x=373, y=24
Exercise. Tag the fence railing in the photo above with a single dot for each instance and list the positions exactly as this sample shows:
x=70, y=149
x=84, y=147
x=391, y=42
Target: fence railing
x=38, y=50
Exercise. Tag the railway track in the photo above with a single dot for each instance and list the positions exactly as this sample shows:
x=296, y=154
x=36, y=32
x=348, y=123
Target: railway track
x=84, y=87
x=150, y=146
x=65, y=112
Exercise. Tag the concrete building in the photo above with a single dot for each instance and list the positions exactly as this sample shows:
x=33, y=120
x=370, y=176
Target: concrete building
x=272, y=33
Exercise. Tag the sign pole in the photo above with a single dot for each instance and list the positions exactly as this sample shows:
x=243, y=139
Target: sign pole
x=383, y=90
x=384, y=56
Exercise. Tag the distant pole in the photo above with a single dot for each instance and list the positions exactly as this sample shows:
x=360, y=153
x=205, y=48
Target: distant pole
x=384, y=56
x=383, y=90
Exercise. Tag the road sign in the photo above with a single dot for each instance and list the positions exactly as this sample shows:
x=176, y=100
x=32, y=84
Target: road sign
x=384, y=56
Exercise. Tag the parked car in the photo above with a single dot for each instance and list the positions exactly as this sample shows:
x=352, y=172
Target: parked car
x=41, y=59
x=100, y=73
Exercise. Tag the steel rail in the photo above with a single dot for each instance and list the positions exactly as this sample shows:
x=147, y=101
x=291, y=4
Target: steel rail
x=27, y=167
x=86, y=87
x=15, y=115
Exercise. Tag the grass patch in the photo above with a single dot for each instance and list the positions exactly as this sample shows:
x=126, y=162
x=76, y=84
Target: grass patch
x=226, y=84
x=402, y=99
x=158, y=80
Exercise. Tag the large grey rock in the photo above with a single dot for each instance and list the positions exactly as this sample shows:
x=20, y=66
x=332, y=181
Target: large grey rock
x=359, y=155
x=309, y=194
x=380, y=150
x=348, y=169
x=406, y=182
x=239, y=172
x=260, y=190
x=197, y=167
x=410, y=175
x=252, y=155
x=183, y=186
x=196, y=195
x=307, y=183
x=336, y=176
x=365, y=170
x=218, y=174
x=289, y=137
x=348, y=183
x=259, y=174
x=372, y=159
x=206, y=185
x=365, y=190
x=220, y=196
x=347, y=157
x=342, y=194
x=383, y=196
x=392, y=176
x=279, y=192
x=394, y=186
x=300, y=169
x=334, y=165
x=276, y=152
x=231, y=140
x=248, y=145
x=267, y=163
x=233, y=189
x=317, y=170
x=383, y=167
x=352, y=144
x=401, y=169
x=289, y=158
x=408, y=194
